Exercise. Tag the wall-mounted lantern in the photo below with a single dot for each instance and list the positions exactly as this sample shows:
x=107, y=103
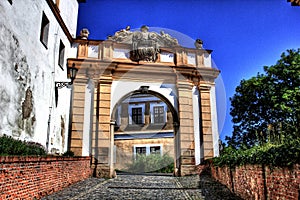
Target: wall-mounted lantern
x=72, y=72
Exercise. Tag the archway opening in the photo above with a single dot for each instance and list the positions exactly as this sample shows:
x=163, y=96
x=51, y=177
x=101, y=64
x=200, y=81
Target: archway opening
x=145, y=132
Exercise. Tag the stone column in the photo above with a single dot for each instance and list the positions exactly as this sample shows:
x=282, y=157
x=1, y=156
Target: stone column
x=186, y=129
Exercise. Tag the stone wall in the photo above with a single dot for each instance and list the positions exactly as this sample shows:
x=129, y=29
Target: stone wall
x=34, y=177
x=260, y=182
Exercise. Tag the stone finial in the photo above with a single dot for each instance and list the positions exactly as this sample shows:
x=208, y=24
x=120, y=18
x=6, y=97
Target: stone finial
x=144, y=28
x=84, y=33
x=198, y=44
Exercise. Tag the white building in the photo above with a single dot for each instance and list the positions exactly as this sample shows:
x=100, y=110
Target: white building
x=35, y=41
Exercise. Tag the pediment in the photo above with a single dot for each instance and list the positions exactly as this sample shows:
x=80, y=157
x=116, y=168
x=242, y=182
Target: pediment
x=145, y=45
x=127, y=36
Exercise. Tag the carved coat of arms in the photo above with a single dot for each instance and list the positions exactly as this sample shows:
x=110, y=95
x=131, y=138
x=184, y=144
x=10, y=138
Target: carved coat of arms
x=145, y=44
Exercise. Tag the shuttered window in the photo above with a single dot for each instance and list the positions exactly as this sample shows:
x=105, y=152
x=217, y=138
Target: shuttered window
x=137, y=115
x=61, y=54
x=44, y=30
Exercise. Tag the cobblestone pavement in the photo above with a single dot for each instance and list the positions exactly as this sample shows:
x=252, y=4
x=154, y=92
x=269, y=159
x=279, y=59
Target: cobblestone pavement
x=145, y=187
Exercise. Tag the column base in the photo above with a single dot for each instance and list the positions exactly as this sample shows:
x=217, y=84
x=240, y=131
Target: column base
x=103, y=171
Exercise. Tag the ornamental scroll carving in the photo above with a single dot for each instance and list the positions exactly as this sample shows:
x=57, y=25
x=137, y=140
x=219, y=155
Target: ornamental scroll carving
x=145, y=45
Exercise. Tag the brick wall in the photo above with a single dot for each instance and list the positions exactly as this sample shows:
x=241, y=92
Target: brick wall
x=260, y=182
x=33, y=177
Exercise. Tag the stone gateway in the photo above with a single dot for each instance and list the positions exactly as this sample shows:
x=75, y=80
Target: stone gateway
x=140, y=92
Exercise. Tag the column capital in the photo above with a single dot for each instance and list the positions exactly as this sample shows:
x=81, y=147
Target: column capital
x=204, y=87
x=105, y=80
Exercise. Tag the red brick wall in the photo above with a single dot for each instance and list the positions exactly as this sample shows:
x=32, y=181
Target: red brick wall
x=261, y=183
x=31, y=176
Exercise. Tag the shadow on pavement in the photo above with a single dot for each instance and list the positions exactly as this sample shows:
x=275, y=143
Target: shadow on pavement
x=213, y=190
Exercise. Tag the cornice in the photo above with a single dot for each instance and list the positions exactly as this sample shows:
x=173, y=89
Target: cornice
x=61, y=22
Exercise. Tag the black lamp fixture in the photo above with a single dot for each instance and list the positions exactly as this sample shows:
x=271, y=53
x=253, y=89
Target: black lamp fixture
x=72, y=72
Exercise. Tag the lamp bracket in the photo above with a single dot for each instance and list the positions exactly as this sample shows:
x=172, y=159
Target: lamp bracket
x=60, y=85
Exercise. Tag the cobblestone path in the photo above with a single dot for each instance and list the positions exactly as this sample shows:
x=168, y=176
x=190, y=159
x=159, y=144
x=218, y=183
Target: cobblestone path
x=145, y=187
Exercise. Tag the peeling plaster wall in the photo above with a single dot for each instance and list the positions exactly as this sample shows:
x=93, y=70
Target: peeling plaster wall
x=28, y=71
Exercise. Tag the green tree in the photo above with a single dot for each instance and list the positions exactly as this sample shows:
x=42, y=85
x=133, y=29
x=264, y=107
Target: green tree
x=266, y=108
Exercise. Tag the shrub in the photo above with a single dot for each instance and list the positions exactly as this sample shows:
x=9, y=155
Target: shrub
x=152, y=163
x=12, y=147
x=68, y=153
x=285, y=154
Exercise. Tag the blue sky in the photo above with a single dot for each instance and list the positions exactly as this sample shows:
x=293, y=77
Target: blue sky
x=244, y=35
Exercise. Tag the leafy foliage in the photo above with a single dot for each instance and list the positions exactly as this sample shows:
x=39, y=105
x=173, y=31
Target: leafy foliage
x=10, y=146
x=285, y=154
x=68, y=153
x=152, y=163
x=266, y=108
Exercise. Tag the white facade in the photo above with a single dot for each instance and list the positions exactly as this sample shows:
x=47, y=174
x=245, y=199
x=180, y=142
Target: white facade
x=28, y=71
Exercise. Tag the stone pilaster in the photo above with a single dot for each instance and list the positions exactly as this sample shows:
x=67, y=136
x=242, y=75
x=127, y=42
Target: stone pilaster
x=77, y=118
x=107, y=51
x=82, y=49
x=101, y=128
x=186, y=128
x=206, y=122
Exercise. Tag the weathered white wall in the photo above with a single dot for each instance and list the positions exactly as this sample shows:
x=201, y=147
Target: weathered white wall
x=29, y=69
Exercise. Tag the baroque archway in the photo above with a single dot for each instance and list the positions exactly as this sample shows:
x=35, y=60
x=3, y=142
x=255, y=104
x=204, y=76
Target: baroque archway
x=159, y=64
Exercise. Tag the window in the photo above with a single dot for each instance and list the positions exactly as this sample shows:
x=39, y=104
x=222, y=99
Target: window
x=147, y=149
x=140, y=150
x=159, y=114
x=61, y=54
x=155, y=150
x=137, y=115
x=44, y=30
